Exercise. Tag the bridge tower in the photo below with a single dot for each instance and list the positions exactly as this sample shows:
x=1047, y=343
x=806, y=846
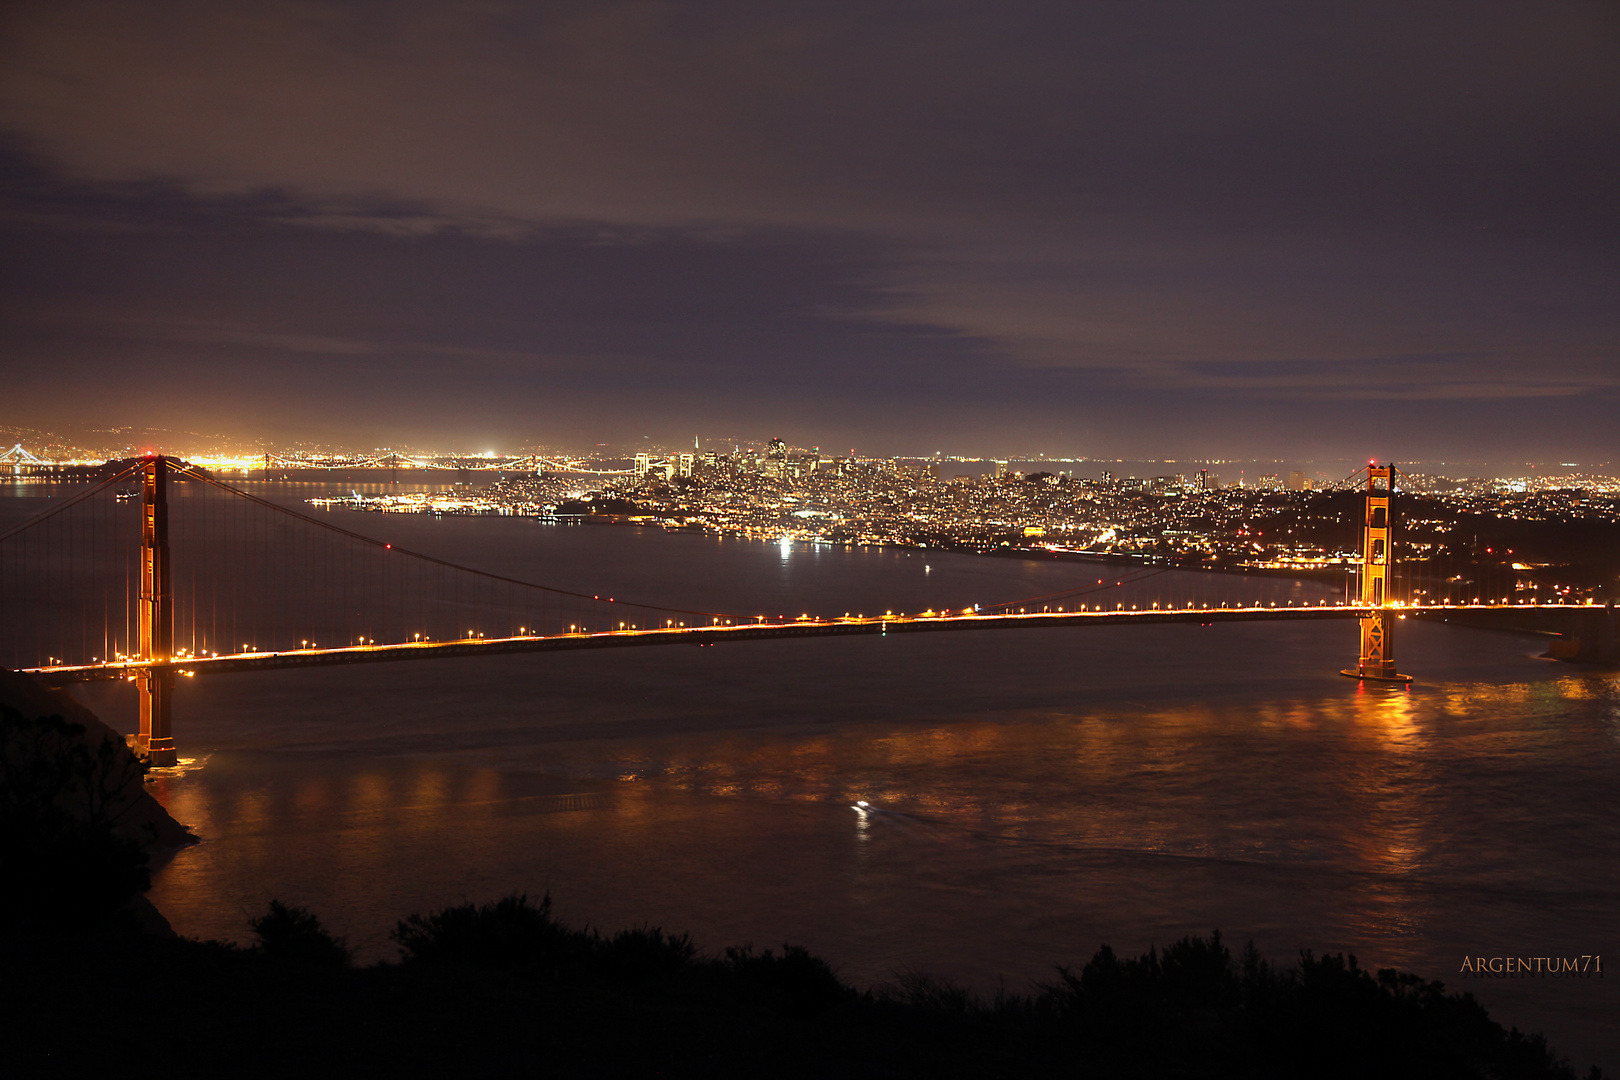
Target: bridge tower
x=1377, y=557
x=156, y=616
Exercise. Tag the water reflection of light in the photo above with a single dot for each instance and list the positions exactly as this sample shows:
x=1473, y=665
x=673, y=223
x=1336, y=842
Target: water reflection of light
x=1543, y=703
x=1356, y=764
x=1297, y=715
x=313, y=796
x=188, y=804
x=1576, y=689
x=1392, y=711
x=430, y=788
x=784, y=547
x=370, y=791
x=484, y=786
x=252, y=808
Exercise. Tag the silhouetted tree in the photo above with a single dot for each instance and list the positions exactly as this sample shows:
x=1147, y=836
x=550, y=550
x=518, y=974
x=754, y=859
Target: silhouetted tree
x=295, y=934
x=511, y=934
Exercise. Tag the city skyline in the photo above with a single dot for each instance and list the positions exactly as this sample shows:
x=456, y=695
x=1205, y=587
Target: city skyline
x=93, y=446
x=1163, y=232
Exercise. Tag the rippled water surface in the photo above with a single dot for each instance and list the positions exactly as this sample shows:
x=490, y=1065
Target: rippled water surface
x=1032, y=793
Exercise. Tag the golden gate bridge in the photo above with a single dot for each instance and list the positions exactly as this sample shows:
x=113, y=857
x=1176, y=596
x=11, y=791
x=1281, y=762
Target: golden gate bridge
x=223, y=581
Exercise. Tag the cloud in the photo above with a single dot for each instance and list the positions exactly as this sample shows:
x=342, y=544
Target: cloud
x=854, y=115
x=1442, y=378
x=248, y=337
x=1160, y=194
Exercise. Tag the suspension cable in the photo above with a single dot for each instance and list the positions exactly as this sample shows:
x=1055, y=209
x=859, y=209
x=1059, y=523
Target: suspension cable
x=384, y=545
x=46, y=515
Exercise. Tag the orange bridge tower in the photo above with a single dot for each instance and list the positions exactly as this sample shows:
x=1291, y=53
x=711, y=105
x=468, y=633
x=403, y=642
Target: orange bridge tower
x=156, y=617
x=1377, y=557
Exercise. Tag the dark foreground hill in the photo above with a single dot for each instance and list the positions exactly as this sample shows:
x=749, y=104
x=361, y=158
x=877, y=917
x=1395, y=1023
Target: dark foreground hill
x=76, y=821
x=503, y=990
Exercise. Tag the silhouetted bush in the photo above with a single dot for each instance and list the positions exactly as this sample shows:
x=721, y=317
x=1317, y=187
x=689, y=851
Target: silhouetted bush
x=511, y=934
x=795, y=982
x=930, y=993
x=502, y=989
x=1193, y=1008
x=292, y=933
x=642, y=953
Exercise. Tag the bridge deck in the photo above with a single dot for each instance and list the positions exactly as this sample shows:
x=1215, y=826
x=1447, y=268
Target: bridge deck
x=710, y=635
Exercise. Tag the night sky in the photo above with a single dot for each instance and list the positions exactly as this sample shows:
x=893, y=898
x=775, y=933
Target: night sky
x=1152, y=228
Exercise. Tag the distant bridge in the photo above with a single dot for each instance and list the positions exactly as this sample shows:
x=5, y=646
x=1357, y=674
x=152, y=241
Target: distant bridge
x=532, y=463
